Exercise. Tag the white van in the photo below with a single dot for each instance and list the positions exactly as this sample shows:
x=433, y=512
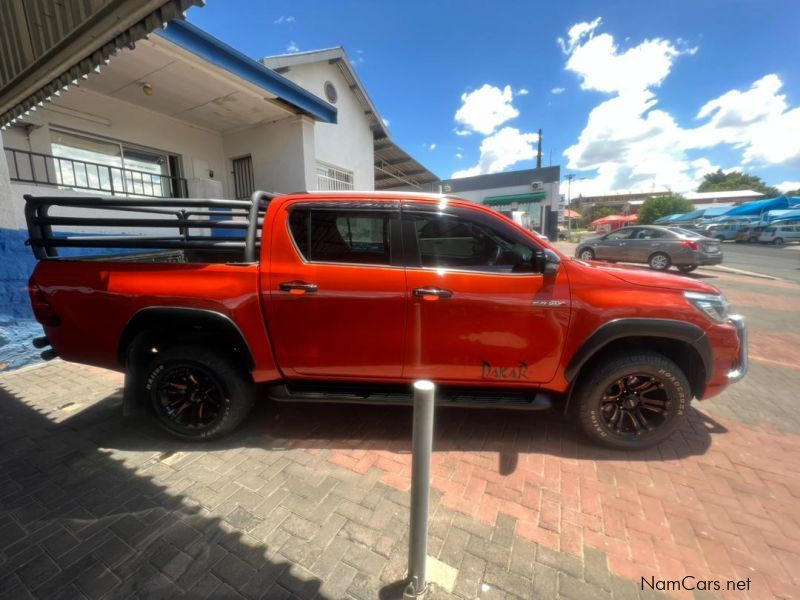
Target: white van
x=780, y=234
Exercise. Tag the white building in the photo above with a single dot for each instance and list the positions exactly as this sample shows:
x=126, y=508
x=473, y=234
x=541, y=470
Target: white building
x=530, y=196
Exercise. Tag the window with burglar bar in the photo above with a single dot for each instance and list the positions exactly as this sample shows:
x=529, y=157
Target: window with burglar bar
x=330, y=178
x=86, y=163
x=243, y=182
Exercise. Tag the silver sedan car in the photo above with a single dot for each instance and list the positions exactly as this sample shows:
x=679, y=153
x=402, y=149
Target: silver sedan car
x=659, y=247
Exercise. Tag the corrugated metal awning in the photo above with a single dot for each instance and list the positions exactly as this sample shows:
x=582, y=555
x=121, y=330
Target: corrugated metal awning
x=45, y=47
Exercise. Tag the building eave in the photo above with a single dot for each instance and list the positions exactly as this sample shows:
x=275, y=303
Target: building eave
x=220, y=54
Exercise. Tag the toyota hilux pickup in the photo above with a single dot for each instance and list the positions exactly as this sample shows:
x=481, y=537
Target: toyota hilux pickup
x=353, y=296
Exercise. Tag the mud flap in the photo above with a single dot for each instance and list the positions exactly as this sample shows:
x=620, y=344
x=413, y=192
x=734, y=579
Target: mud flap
x=131, y=399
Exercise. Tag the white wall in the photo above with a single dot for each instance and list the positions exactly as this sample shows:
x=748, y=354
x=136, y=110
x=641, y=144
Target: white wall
x=88, y=112
x=282, y=153
x=6, y=194
x=348, y=143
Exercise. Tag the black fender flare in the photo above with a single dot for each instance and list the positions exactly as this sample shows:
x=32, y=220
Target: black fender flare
x=173, y=317
x=642, y=327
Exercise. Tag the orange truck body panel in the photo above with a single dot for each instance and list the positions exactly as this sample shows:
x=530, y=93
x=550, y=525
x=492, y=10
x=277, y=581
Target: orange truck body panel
x=363, y=324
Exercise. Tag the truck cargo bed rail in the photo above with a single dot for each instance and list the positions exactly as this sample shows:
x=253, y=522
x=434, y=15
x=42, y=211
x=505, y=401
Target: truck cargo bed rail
x=192, y=219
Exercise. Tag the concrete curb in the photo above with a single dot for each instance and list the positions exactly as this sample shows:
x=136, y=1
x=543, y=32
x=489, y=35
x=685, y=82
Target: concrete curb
x=742, y=272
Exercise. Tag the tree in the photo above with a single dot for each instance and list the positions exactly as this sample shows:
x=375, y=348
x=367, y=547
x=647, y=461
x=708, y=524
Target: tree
x=661, y=206
x=719, y=181
x=792, y=192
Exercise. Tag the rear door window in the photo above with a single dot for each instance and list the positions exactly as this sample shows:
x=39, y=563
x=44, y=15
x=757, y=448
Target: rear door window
x=342, y=235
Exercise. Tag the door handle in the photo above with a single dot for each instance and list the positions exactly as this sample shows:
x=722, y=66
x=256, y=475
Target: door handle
x=623, y=243
x=298, y=287
x=432, y=293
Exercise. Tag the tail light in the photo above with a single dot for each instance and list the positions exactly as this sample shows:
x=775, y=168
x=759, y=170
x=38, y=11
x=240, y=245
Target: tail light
x=42, y=309
x=690, y=244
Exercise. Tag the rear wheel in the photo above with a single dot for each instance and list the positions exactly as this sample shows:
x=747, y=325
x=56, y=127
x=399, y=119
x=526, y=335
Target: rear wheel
x=721, y=238
x=752, y=240
x=778, y=241
x=633, y=401
x=195, y=393
x=686, y=268
x=659, y=261
x=587, y=254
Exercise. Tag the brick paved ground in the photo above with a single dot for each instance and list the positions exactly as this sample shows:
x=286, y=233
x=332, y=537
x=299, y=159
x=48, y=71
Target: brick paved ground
x=311, y=501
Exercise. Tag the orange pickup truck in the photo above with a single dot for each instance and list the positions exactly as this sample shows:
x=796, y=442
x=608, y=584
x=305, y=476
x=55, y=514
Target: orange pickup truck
x=350, y=297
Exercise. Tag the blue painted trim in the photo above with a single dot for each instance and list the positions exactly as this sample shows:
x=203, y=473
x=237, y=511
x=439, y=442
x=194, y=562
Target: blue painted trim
x=197, y=41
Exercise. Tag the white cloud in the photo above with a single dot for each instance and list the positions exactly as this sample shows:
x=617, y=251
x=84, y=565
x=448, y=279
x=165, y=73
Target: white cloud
x=432, y=147
x=785, y=186
x=462, y=132
x=385, y=121
x=557, y=90
x=485, y=109
x=633, y=144
x=758, y=120
x=281, y=20
x=459, y=156
x=576, y=33
x=499, y=151
x=292, y=47
x=522, y=92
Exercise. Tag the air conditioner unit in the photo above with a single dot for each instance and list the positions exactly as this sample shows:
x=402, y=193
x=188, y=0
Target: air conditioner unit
x=537, y=186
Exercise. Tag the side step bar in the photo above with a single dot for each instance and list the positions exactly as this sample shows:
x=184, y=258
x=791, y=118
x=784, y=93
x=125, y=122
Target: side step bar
x=398, y=396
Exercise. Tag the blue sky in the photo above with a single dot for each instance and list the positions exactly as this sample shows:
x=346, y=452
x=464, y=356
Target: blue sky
x=628, y=87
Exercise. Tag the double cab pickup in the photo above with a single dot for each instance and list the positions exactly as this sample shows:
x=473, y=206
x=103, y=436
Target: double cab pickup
x=351, y=297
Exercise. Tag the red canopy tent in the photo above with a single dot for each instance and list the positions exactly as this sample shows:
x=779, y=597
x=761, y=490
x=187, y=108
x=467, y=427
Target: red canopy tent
x=612, y=222
x=571, y=214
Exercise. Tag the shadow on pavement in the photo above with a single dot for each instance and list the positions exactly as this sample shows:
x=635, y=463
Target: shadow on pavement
x=509, y=433
x=76, y=523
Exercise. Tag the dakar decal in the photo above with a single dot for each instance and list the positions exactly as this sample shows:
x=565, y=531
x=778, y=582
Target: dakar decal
x=490, y=372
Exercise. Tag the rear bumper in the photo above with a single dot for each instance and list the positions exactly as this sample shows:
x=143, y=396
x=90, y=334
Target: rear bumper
x=708, y=259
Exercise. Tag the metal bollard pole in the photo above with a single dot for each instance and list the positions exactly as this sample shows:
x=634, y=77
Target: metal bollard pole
x=421, y=449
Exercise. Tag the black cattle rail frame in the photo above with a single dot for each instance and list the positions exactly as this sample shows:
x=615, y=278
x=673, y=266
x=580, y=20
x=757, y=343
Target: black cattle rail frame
x=184, y=214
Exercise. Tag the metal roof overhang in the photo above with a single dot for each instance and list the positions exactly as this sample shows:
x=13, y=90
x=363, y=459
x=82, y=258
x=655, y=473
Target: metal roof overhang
x=518, y=198
x=44, y=49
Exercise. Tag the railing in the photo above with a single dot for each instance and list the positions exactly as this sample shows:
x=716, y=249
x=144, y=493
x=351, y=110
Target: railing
x=33, y=167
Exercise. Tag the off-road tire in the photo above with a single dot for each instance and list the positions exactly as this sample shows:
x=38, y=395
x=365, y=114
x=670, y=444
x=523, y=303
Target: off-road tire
x=592, y=386
x=234, y=400
x=659, y=266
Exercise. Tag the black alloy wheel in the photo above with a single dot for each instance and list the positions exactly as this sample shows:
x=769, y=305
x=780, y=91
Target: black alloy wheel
x=189, y=397
x=632, y=400
x=196, y=393
x=635, y=405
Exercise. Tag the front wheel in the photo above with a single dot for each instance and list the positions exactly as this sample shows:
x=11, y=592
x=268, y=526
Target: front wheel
x=778, y=241
x=633, y=401
x=586, y=254
x=659, y=261
x=686, y=268
x=195, y=393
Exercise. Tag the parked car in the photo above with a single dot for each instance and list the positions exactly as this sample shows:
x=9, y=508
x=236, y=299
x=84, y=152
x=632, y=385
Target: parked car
x=749, y=234
x=780, y=234
x=351, y=297
x=727, y=231
x=660, y=247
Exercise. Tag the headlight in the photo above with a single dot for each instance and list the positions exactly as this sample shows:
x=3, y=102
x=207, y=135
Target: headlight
x=715, y=306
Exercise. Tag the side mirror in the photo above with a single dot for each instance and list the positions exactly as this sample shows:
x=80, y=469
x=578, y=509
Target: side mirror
x=546, y=262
